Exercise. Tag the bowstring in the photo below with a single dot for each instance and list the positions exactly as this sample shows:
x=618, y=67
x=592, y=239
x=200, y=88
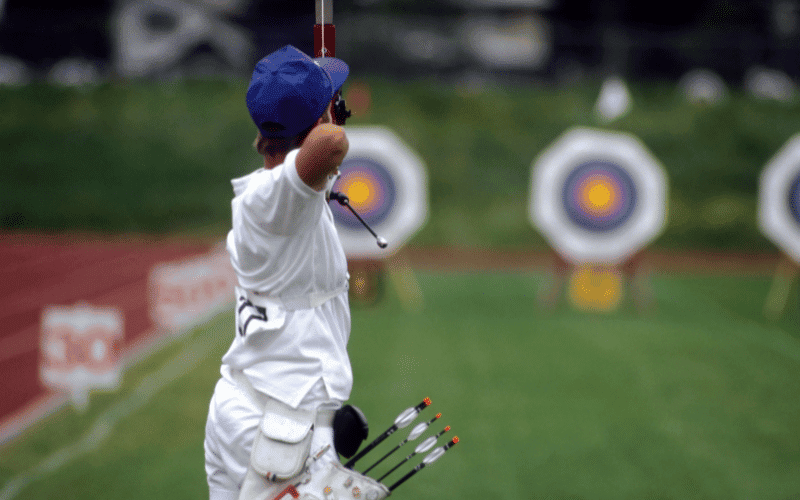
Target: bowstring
x=322, y=31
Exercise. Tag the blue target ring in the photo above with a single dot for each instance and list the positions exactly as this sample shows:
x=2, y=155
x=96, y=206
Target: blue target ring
x=793, y=199
x=371, y=190
x=599, y=196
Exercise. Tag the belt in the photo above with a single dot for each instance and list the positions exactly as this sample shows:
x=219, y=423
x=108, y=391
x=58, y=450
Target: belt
x=324, y=415
x=309, y=301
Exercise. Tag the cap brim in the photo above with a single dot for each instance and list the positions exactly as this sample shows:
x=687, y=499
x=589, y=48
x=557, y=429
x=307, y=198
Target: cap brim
x=336, y=69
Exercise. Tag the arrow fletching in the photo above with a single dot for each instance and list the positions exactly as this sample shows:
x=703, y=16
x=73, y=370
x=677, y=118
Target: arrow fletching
x=406, y=418
x=420, y=428
x=402, y=420
x=421, y=448
x=433, y=456
x=426, y=445
x=429, y=459
x=414, y=434
x=410, y=414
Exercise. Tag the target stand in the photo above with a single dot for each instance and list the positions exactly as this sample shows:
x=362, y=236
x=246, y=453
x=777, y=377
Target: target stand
x=597, y=287
x=779, y=221
x=386, y=183
x=367, y=280
x=598, y=198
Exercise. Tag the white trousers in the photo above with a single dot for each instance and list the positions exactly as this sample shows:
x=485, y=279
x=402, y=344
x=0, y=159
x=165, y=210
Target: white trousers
x=233, y=419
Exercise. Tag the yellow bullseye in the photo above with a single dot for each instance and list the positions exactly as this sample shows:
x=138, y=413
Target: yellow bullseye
x=359, y=192
x=598, y=195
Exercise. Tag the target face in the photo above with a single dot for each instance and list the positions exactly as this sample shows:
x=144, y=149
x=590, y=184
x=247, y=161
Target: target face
x=386, y=183
x=371, y=190
x=793, y=200
x=779, y=199
x=598, y=197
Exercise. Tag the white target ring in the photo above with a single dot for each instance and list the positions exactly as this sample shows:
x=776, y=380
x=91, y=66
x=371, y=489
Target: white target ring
x=779, y=199
x=597, y=196
x=386, y=182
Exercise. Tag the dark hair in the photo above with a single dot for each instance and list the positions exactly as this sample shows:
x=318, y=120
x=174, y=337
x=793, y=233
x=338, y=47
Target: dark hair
x=271, y=146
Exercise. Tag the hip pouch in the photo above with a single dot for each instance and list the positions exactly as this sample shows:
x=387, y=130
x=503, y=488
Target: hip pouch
x=335, y=482
x=283, y=441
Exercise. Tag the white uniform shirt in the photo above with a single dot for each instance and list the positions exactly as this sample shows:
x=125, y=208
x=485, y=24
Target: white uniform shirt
x=284, y=244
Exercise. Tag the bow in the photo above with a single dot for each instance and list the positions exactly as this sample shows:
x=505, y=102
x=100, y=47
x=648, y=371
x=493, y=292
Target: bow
x=325, y=46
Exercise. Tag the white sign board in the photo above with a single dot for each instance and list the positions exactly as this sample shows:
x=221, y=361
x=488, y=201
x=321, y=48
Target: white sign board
x=80, y=349
x=185, y=293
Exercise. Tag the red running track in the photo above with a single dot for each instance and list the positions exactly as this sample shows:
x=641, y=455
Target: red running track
x=39, y=270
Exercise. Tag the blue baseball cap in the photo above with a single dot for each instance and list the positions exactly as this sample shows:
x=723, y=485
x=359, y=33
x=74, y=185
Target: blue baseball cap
x=336, y=69
x=289, y=91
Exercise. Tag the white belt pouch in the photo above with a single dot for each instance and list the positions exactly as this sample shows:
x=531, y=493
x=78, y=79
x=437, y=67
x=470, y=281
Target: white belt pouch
x=337, y=482
x=283, y=441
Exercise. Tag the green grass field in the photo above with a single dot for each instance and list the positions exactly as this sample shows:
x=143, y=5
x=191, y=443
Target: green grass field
x=699, y=399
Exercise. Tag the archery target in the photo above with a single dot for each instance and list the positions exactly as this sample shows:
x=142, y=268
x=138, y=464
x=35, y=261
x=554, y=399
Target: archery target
x=387, y=184
x=597, y=196
x=779, y=199
x=793, y=200
x=371, y=190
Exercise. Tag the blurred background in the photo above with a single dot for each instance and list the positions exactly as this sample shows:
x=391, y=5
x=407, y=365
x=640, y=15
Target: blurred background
x=670, y=375
x=555, y=41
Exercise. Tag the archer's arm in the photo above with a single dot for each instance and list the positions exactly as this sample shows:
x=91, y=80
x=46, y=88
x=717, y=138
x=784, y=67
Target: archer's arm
x=321, y=154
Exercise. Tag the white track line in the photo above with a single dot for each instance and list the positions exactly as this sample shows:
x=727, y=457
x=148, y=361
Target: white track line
x=151, y=384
